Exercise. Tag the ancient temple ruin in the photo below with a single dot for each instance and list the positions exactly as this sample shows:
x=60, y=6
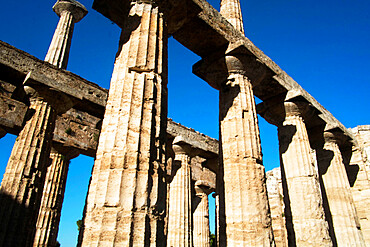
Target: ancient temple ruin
x=152, y=177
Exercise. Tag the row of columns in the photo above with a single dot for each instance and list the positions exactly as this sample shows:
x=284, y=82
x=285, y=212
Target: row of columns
x=319, y=207
x=188, y=216
x=33, y=185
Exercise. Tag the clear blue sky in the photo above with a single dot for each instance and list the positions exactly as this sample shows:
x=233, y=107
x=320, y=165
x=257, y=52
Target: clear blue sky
x=323, y=45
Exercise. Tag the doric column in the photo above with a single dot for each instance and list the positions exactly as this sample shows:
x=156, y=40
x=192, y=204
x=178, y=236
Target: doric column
x=179, y=211
x=341, y=211
x=53, y=194
x=306, y=223
x=127, y=195
x=243, y=194
x=47, y=226
x=201, y=215
x=22, y=184
x=70, y=12
x=230, y=9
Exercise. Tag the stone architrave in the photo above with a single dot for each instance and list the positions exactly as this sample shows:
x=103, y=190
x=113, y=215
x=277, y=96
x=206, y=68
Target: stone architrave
x=126, y=201
x=342, y=211
x=305, y=217
x=22, y=184
x=179, y=209
x=70, y=12
x=201, y=215
x=243, y=193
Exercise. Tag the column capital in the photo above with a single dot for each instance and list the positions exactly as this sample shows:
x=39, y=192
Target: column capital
x=75, y=8
x=59, y=101
x=275, y=111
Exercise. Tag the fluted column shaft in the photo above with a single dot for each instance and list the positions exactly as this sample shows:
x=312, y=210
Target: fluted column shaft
x=179, y=212
x=127, y=195
x=58, y=52
x=22, y=184
x=302, y=194
x=342, y=210
x=230, y=9
x=201, y=218
x=70, y=12
x=243, y=196
x=53, y=193
x=52, y=199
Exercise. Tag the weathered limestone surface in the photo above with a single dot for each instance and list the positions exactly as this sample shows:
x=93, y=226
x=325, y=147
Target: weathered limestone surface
x=180, y=200
x=231, y=11
x=243, y=193
x=276, y=201
x=22, y=184
x=47, y=224
x=201, y=215
x=70, y=12
x=304, y=212
x=358, y=172
x=341, y=211
x=52, y=199
x=127, y=194
x=243, y=197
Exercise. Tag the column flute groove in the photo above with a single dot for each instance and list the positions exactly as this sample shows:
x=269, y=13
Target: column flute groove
x=337, y=190
x=127, y=195
x=306, y=220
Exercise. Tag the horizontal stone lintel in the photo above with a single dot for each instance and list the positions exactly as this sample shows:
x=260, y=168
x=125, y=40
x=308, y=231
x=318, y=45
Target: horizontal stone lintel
x=203, y=30
x=18, y=65
x=81, y=130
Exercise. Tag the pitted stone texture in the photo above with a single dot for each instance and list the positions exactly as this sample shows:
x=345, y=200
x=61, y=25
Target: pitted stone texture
x=230, y=9
x=127, y=195
x=359, y=175
x=305, y=217
x=243, y=195
x=22, y=184
x=53, y=194
x=179, y=209
x=201, y=215
x=337, y=190
x=276, y=201
x=70, y=11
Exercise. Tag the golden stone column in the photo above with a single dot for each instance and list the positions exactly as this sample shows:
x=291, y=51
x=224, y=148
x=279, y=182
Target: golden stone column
x=53, y=194
x=341, y=211
x=305, y=217
x=179, y=211
x=244, y=210
x=230, y=9
x=126, y=201
x=22, y=184
x=70, y=12
x=47, y=226
x=243, y=193
x=201, y=215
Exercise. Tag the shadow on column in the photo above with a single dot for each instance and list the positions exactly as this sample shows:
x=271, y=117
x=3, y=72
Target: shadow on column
x=352, y=170
x=286, y=134
x=324, y=158
x=10, y=208
x=221, y=239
